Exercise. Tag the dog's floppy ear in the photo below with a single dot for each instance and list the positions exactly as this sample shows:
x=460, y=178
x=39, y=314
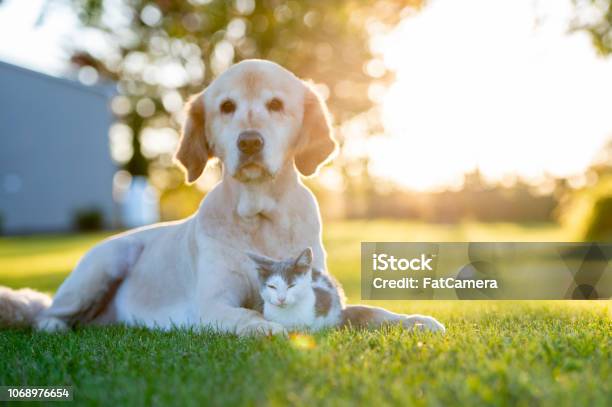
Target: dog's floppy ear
x=316, y=142
x=193, y=151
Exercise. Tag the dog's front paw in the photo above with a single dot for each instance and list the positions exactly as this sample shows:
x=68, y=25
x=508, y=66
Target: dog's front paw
x=423, y=323
x=262, y=328
x=51, y=325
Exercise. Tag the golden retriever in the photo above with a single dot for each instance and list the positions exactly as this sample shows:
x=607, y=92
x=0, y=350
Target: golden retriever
x=266, y=127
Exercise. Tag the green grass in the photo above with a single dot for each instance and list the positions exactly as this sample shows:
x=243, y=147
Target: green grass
x=494, y=353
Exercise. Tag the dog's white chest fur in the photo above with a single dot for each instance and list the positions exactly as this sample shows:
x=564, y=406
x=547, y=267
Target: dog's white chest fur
x=252, y=203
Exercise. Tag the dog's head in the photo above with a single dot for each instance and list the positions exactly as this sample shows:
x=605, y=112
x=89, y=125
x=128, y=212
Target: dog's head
x=256, y=117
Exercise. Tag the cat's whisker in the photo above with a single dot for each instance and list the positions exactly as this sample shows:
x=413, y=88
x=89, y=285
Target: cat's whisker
x=297, y=296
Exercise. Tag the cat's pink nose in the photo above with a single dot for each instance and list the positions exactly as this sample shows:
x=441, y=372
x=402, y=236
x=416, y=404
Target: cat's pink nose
x=281, y=301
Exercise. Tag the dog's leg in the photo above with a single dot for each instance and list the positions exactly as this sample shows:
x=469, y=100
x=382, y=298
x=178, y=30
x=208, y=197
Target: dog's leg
x=222, y=308
x=363, y=316
x=240, y=321
x=85, y=292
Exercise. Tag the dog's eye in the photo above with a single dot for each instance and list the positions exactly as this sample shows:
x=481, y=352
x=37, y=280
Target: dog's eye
x=275, y=105
x=272, y=286
x=228, y=106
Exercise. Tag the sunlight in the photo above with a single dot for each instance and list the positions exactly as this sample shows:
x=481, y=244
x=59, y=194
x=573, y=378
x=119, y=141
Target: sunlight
x=504, y=88
x=37, y=46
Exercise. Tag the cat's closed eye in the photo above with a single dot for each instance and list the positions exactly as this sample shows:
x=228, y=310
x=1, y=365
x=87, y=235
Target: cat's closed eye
x=272, y=286
x=291, y=285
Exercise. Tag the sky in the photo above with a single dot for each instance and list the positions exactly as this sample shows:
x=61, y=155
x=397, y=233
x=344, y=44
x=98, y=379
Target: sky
x=36, y=44
x=494, y=84
x=491, y=84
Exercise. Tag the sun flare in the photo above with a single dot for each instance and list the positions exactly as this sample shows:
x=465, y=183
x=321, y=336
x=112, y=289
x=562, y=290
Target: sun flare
x=511, y=94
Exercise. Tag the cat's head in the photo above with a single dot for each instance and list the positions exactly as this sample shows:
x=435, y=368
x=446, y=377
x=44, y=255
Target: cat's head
x=283, y=283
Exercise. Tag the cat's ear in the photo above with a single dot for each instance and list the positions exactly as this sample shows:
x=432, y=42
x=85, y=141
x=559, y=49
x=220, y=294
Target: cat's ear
x=261, y=260
x=263, y=263
x=304, y=260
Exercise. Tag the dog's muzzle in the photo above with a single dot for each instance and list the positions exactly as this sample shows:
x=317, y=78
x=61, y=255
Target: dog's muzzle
x=250, y=142
x=251, y=167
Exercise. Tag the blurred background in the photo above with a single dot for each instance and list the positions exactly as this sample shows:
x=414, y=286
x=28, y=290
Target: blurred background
x=447, y=112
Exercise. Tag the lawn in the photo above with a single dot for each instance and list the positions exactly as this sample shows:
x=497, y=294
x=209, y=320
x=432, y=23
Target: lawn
x=494, y=353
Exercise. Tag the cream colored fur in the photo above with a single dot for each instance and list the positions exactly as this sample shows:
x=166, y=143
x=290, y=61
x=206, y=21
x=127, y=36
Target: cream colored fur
x=19, y=308
x=195, y=272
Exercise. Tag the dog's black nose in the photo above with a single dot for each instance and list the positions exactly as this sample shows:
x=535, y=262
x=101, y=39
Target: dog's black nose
x=250, y=142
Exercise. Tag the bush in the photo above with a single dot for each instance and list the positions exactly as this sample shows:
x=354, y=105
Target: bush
x=599, y=226
x=588, y=214
x=89, y=219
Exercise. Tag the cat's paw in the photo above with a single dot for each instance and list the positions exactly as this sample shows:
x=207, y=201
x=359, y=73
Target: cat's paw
x=423, y=323
x=262, y=328
x=51, y=325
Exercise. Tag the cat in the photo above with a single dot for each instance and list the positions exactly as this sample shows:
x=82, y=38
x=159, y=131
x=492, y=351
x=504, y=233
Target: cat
x=296, y=295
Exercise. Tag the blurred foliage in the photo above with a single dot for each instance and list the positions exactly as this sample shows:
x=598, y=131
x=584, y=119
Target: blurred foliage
x=477, y=200
x=595, y=17
x=587, y=211
x=154, y=48
x=599, y=226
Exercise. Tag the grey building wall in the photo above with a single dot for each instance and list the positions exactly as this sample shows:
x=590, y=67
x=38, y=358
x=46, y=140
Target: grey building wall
x=54, y=151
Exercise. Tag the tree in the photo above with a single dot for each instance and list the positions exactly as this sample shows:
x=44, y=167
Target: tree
x=595, y=17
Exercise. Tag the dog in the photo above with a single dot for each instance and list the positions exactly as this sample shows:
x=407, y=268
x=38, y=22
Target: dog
x=266, y=127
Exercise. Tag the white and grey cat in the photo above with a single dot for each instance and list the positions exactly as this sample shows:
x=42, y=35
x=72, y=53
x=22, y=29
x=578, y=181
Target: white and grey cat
x=296, y=295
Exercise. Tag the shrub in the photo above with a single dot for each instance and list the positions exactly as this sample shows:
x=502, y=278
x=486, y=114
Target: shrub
x=599, y=226
x=589, y=212
x=88, y=219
